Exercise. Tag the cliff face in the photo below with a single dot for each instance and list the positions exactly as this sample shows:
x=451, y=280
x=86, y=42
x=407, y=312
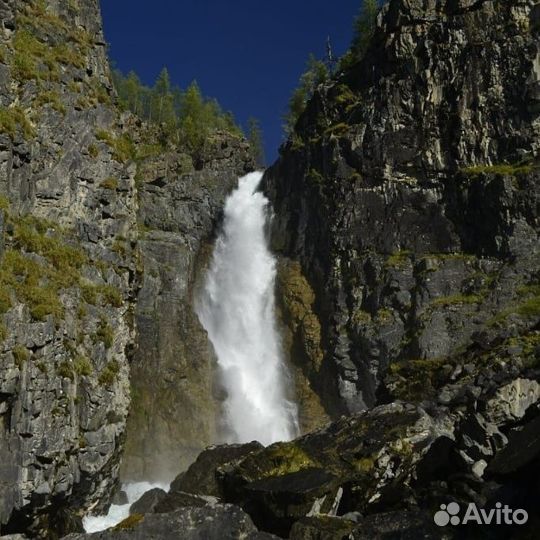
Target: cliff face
x=99, y=237
x=66, y=331
x=409, y=194
x=175, y=413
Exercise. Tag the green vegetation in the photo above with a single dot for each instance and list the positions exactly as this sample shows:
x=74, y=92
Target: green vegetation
x=398, y=260
x=105, y=294
x=365, y=464
x=20, y=354
x=417, y=378
x=104, y=333
x=13, y=120
x=284, y=458
x=501, y=169
x=363, y=29
x=38, y=264
x=109, y=373
x=337, y=129
x=186, y=117
x=109, y=183
x=34, y=59
x=82, y=366
x=316, y=73
x=528, y=308
x=123, y=149
x=93, y=150
x=51, y=98
x=65, y=370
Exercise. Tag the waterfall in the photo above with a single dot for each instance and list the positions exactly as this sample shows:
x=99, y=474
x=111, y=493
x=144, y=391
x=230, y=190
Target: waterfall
x=236, y=307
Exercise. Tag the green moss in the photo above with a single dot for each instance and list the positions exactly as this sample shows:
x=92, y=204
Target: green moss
x=500, y=169
x=417, y=378
x=361, y=317
x=398, y=260
x=365, y=465
x=530, y=308
x=286, y=458
x=129, y=523
x=298, y=298
x=4, y=203
x=3, y=332
x=109, y=373
x=20, y=354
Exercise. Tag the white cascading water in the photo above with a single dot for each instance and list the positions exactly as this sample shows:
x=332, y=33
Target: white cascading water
x=119, y=512
x=236, y=307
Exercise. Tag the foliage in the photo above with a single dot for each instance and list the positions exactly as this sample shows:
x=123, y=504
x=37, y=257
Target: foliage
x=104, y=333
x=123, y=149
x=109, y=373
x=41, y=60
x=500, y=169
x=13, y=119
x=363, y=29
x=186, y=117
x=315, y=74
x=109, y=183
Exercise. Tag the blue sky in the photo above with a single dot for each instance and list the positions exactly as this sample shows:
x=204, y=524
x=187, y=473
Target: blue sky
x=247, y=54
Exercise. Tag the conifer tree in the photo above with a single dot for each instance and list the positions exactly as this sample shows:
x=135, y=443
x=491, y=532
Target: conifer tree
x=315, y=74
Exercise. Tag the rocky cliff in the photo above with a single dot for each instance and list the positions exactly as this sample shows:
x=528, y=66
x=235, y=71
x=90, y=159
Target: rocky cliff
x=175, y=414
x=100, y=231
x=406, y=219
x=407, y=200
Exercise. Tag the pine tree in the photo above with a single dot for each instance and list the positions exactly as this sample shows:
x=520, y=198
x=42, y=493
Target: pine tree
x=363, y=29
x=255, y=138
x=315, y=74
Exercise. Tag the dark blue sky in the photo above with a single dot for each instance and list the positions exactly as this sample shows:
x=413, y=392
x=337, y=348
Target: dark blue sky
x=246, y=53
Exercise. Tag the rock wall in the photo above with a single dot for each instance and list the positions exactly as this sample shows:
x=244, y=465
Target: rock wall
x=175, y=413
x=409, y=195
x=67, y=200
x=100, y=232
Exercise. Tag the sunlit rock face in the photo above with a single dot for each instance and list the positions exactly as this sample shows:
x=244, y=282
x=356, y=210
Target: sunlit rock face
x=408, y=194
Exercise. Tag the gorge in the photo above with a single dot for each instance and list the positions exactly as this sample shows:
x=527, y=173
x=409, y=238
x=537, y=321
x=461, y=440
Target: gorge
x=368, y=354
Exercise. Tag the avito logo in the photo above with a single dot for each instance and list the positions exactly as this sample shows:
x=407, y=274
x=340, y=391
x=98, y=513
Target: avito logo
x=500, y=515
